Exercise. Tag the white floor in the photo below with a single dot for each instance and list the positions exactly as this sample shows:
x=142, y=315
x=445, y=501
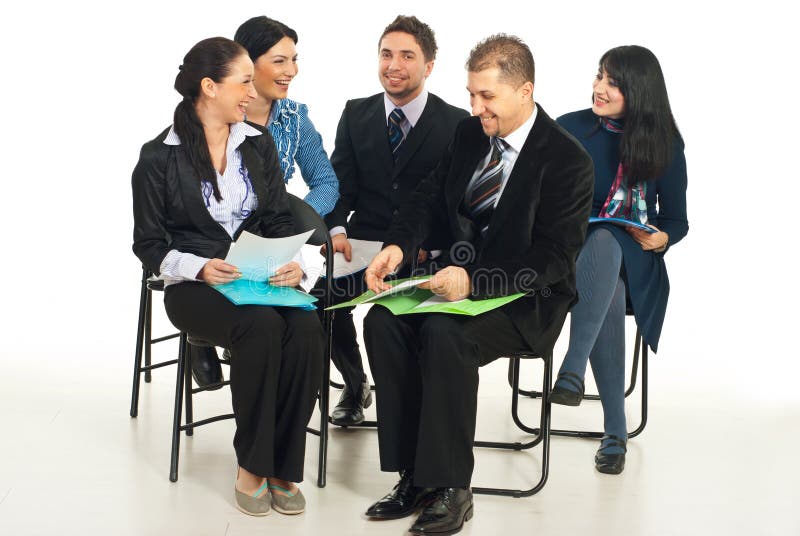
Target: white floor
x=73, y=462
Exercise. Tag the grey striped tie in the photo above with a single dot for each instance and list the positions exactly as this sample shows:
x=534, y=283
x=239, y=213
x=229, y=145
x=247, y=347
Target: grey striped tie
x=482, y=191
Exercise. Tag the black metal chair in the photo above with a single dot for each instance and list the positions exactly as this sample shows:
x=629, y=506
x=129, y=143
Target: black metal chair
x=305, y=218
x=145, y=340
x=542, y=433
x=640, y=348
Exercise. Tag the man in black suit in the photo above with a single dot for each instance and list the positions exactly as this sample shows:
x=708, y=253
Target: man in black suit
x=385, y=145
x=516, y=191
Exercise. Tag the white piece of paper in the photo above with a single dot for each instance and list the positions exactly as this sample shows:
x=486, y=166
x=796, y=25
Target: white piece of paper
x=258, y=258
x=314, y=265
x=397, y=288
x=363, y=251
x=436, y=300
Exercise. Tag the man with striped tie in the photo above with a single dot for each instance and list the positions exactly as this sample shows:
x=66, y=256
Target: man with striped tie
x=385, y=145
x=517, y=191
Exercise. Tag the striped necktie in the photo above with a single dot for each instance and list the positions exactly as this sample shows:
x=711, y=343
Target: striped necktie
x=482, y=192
x=396, y=135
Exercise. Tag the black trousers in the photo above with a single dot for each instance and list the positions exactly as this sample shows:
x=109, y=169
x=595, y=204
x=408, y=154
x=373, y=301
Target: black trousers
x=346, y=353
x=276, y=368
x=426, y=376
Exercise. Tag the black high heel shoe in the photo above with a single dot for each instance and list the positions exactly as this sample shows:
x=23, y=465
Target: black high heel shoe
x=610, y=464
x=564, y=396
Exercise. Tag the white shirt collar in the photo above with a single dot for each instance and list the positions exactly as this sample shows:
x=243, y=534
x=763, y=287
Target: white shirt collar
x=235, y=138
x=517, y=138
x=412, y=110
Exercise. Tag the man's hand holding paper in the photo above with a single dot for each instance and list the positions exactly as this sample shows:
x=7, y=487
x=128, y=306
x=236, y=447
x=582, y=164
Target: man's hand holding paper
x=451, y=283
x=384, y=263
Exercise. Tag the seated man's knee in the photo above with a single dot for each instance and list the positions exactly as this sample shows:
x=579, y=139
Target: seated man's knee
x=378, y=319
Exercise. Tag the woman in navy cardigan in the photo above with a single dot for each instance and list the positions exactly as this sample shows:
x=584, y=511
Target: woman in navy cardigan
x=640, y=175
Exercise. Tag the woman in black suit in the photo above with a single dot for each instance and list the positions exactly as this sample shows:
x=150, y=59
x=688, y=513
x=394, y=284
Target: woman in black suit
x=640, y=175
x=196, y=187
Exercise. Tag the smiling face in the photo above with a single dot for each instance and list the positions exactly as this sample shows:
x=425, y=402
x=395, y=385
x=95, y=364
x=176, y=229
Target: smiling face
x=402, y=67
x=607, y=100
x=275, y=69
x=501, y=107
x=229, y=97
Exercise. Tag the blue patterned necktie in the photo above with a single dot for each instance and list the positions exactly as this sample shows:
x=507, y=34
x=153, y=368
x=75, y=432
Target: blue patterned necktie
x=483, y=191
x=396, y=135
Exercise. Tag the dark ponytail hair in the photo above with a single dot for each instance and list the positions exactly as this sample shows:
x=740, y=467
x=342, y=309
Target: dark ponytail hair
x=650, y=129
x=210, y=58
x=260, y=34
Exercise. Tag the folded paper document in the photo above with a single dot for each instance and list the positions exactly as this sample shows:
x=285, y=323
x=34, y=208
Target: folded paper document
x=363, y=251
x=406, y=298
x=258, y=257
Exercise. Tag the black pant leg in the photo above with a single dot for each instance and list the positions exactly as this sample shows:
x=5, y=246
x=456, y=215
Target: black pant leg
x=298, y=384
x=426, y=374
x=346, y=354
x=255, y=335
x=392, y=352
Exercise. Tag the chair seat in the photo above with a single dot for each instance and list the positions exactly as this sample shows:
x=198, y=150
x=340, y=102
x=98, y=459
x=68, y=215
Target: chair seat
x=200, y=343
x=156, y=284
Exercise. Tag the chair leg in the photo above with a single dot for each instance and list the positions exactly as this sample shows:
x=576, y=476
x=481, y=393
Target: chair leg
x=631, y=386
x=640, y=346
x=639, y=429
x=176, y=419
x=187, y=382
x=148, y=336
x=137, y=359
x=543, y=432
x=324, y=403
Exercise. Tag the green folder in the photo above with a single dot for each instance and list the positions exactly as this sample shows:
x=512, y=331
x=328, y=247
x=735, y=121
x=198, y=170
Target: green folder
x=416, y=300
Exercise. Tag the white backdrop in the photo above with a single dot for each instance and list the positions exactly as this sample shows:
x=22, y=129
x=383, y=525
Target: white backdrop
x=85, y=85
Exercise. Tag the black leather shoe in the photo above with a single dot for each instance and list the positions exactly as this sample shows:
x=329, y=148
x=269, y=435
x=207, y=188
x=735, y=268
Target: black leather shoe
x=350, y=409
x=403, y=500
x=610, y=464
x=206, y=369
x=568, y=397
x=450, y=509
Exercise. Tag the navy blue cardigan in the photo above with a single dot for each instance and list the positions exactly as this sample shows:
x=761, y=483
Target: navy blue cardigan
x=644, y=272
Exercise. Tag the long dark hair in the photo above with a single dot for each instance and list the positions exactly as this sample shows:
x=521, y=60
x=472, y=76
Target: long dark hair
x=650, y=130
x=260, y=34
x=210, y=58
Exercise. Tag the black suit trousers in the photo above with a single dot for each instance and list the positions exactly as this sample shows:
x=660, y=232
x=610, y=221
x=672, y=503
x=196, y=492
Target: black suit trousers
x=426, y=375
x=276, y=367
x=346, y=354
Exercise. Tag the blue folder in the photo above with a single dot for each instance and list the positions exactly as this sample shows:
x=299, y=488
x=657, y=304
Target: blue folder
x=246, y=292
x=619, y=222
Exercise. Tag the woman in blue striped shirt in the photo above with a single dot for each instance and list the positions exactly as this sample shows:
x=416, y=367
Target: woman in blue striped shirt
x=271, y=46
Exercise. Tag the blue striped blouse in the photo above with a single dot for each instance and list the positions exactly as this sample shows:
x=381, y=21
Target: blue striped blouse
x=298, y=141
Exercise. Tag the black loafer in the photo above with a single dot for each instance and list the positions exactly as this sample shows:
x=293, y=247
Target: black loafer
x=610, y=464
x=568, y=397
x=350, y=409
x=403, y=500
x=206, y=368
x=450, y=509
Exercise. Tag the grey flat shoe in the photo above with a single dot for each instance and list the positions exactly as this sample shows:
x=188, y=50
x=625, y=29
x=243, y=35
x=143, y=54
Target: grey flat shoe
x=291, y=503
x=255, y=504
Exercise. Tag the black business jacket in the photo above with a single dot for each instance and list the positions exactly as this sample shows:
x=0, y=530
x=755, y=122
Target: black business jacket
x=370, y=183
x=169, y=211
x=535, y=232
